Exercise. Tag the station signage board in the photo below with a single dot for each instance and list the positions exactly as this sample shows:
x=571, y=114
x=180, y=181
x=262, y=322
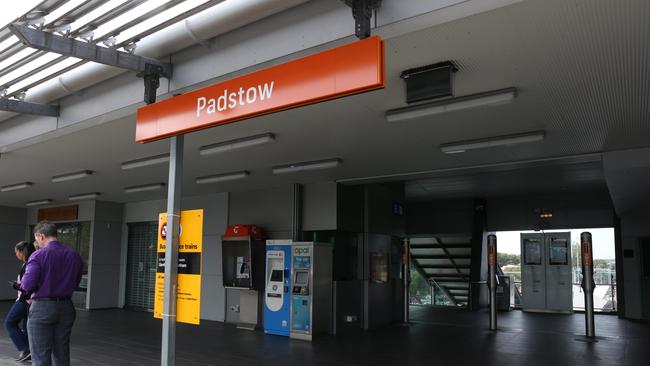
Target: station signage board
x=346, y=70
x=190, y=248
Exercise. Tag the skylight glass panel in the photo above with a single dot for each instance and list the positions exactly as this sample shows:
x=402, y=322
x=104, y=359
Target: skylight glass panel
x=28, y=67
x=159, y=18
x=63, y=9
x=8, y=42
x=43, y=74
x=11, y=12
x=15, y=58
x=84, y=20
x=108, y=27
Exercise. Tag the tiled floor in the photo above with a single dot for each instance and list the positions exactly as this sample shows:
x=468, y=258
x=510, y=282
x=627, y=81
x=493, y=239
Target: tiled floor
x=436, y=337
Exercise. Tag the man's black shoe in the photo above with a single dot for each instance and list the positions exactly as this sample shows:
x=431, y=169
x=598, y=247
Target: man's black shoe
x=24, y=356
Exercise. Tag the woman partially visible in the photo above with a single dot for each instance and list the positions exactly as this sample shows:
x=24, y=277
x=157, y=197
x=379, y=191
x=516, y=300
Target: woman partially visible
x=16, y=320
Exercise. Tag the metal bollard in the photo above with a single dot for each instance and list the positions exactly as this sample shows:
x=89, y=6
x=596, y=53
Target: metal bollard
x=492, y=279
x=406, y=261
x=588, y=282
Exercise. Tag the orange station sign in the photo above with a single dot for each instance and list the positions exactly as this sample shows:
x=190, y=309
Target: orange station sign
x=346, y=70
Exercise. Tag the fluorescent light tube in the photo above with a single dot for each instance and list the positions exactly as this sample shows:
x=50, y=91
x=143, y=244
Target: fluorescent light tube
x=15, y=187
x=310, y=165
x=71, y=176
x=494, y=97
x=222, y=177
x=84, y=196
x=462, y=146
x=237, y=144
x=144, y=188
x=38, y=203
x=149, y=161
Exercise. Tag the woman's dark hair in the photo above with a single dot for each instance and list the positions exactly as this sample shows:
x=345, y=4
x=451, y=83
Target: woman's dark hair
x=26, y=248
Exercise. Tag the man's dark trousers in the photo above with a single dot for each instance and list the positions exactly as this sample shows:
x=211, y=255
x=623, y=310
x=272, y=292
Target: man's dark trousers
x=49, y=326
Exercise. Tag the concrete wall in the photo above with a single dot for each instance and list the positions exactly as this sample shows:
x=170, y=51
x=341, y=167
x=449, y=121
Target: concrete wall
x=215, y=208
x=440, y=217
x=570, y=210
x=379, y=203
x=319, y=206
x=105, y=256
x=12, y=230
x=270, y=209
x=635, y=224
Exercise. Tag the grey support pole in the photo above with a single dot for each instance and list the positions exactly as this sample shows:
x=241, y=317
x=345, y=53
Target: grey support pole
x=588, y=282
x=406, y=259
x=168, y=347
x=492, y=279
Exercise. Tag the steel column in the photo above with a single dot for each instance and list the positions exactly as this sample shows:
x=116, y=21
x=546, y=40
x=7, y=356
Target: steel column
x=492, y=279
x=296, y=223
x=588, y=284
x=168, y=347
x=406, y=276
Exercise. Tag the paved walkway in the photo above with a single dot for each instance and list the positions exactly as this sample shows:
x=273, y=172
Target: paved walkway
x=436, y=337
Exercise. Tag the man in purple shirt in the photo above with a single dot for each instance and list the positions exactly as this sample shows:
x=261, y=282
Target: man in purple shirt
x=52, y=274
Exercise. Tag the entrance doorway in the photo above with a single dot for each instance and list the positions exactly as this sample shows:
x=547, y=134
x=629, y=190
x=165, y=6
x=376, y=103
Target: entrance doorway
x=510, y=259
x=141, y=265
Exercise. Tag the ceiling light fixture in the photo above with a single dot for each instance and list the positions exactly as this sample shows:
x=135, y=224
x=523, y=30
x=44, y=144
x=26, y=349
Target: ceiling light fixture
x=39, y=202
x=462, y=146
x=222, y=177
x=130, y=48
x=71, y=176
x=309, y=165
x=21, y=95
x=494, y=97
x=144, y=188
x=15, y=187
x=139, y=163
x=237, y=144
x=110, y=42
x=84, y=196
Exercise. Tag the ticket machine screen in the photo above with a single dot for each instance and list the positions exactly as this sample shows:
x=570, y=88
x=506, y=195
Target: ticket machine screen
x=276, y=275
x=301, y=283
x=302, y=278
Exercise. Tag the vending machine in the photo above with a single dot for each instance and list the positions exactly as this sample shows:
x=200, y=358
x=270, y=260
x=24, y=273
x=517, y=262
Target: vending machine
x=277, y=295
x=311, y=290
x=546, y=272
x=242, y=258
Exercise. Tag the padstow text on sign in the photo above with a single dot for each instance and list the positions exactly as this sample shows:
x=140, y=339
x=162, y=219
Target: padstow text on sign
x=350, y=69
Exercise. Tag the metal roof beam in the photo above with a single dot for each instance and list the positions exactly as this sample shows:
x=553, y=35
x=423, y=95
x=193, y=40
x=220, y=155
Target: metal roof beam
x=17, y=106
x=50, y=42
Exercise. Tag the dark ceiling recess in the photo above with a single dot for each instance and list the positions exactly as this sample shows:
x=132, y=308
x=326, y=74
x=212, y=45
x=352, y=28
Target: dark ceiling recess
x=429, y=82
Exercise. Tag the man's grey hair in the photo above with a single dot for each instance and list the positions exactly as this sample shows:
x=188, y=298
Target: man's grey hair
x=46, y=228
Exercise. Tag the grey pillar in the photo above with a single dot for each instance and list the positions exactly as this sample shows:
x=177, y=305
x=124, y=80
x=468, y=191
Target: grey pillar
x=492, y=279
x=296, y=222
x=168, y=347
x=406, y=259
x=588, y=284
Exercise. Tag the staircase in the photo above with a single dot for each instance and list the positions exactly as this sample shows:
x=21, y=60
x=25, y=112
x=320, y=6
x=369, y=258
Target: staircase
x=444, y=261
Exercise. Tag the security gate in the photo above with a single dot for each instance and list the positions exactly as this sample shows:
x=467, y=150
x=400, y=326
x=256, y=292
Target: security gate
x=546, y=272
x=141, y=265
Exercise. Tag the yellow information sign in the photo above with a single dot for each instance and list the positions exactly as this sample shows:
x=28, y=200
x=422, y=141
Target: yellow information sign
x=190, y=247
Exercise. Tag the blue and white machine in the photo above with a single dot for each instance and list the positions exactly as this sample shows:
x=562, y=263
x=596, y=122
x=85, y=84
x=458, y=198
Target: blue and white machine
x=277, y=297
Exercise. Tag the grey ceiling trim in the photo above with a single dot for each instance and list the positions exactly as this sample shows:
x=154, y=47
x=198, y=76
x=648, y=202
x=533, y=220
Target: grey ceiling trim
x=500, y=166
